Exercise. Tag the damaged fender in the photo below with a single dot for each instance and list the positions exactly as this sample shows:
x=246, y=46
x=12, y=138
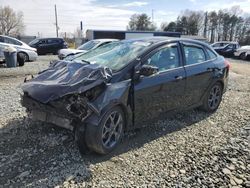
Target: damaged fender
x=114, y=94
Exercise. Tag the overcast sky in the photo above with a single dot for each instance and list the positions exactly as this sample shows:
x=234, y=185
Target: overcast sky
x=39, y=15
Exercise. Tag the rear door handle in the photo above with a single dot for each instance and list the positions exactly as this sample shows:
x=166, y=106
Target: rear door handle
x=178, y=77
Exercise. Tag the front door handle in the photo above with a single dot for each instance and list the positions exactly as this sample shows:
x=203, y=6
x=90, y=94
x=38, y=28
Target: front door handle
x=178, y=77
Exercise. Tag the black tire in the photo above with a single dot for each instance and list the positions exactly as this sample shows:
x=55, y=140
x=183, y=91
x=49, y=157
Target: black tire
x=24, y=56
x=105, y=137
x=243, y=56
x=213, y=98
x=20, y=59
x=80, y=139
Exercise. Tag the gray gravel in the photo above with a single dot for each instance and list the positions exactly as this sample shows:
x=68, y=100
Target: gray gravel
x=190, y=149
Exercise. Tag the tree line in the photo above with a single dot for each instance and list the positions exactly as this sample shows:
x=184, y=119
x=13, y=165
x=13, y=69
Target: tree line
x=224, y=24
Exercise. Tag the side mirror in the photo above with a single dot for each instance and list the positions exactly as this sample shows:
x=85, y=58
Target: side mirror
x=148, y=70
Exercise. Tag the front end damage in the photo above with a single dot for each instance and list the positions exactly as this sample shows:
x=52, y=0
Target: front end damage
x=70, y=94
x=66, y=111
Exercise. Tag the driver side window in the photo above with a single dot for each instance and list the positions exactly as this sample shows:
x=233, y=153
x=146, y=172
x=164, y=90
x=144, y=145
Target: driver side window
x=166, y=58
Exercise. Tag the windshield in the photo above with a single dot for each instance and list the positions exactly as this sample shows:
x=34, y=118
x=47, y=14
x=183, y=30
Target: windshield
x=88, y=45
x=115, y=55
x=33, y=41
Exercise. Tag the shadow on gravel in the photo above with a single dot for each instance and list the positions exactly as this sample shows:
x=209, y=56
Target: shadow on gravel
x=139, y=137
x=35, y=154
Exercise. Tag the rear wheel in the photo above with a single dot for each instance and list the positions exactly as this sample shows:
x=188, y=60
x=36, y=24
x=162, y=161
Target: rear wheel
x=213, y=98
x=105, y=138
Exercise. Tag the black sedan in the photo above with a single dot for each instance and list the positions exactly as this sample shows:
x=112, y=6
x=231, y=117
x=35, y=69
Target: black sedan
x=125, y=85
x=228, y=50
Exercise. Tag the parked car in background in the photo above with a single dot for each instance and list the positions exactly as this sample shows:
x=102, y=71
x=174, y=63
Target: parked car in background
x=28, y=53
x=228, y=50
x=48, y=45
x=219, y=45
x=243, y=52
x=1, y=54
x=84, y=48
x=116, y=88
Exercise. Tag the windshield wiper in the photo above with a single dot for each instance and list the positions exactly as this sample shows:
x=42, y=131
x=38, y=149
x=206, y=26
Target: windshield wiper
x=85, y=61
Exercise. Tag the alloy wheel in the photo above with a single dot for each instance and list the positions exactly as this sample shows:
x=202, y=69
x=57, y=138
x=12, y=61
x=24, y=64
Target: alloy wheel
x=112, y=129
x=214, y=97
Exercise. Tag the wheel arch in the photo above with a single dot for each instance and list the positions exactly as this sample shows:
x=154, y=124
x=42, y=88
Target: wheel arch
x=23, y=52
x=210, y=85
x=95, y=119
x=221, y=83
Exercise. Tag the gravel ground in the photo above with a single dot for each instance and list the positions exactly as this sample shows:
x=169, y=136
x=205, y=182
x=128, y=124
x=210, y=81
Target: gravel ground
x=189, y=149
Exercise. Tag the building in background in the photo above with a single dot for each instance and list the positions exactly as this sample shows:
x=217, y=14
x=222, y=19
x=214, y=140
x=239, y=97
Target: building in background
x=112, y=34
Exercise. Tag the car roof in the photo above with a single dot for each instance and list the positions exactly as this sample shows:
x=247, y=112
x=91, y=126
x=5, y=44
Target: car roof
x=105, y=40
x=229, y=42
x=49, y=38
x=159, y=40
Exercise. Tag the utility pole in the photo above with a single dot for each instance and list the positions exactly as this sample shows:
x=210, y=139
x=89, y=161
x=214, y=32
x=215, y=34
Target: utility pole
x=56, y=22
x=81, y=28
x=152, y=15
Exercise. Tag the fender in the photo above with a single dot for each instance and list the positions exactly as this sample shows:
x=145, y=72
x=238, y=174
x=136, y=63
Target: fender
x=218, y=76
x=115, y=94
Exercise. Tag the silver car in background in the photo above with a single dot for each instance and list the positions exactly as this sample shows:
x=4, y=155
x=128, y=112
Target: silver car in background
x=84, y=47
x=23, y=49
x=243, y=52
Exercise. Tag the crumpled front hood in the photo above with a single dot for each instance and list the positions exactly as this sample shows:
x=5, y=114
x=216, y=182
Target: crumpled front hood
x=65, y=77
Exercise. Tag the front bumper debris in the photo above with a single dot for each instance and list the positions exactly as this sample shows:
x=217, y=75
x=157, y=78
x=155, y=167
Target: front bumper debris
x=59, y=113
x=51, y=118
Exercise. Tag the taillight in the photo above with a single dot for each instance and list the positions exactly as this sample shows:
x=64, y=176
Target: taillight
x=227, y=64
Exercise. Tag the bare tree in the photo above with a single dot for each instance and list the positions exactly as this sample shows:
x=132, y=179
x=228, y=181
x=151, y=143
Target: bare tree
x=213, y=19
x=11, y=22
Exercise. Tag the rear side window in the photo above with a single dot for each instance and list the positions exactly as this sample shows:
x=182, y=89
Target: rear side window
x=194, y=54
x=12, y=41
x=53, y=41
x=211, y=54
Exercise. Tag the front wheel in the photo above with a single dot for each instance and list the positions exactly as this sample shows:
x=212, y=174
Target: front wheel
x=24, y=56
x=213, y=98
x=243, y=56
x=105, y=137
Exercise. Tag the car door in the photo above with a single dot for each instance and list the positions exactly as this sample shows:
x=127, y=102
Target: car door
x=41, y=46
x=199, y=72
x=161, y=92
x=52, y=46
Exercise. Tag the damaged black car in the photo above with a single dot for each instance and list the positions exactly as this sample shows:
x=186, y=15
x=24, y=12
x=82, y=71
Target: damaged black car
x=125, y=85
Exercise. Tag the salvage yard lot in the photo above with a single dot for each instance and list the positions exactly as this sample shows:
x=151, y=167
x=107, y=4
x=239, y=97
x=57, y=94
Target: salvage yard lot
x=190, y=149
